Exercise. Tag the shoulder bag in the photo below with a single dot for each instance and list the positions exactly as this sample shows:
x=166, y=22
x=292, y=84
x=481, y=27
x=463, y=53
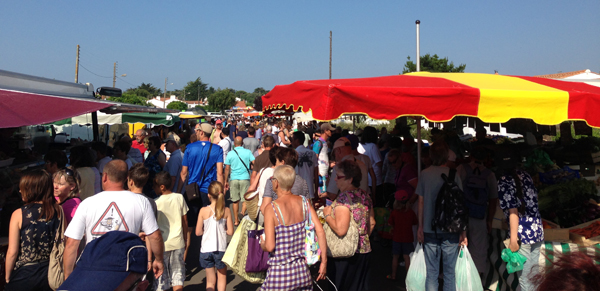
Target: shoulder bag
x=312, y=250
x=252, y=198
x=345, y=246
x=247, y=169
x=192, y=191
x=56, y=274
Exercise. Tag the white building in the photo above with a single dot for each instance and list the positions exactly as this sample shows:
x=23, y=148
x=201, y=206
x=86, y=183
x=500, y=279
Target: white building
x=163, y=103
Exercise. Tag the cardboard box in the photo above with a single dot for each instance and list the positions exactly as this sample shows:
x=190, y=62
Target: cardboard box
x=556, y=234
x=581, y=240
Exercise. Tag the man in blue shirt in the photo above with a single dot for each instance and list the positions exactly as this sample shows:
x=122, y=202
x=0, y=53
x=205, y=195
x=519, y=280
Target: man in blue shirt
x=195, y=159
x=239, y=163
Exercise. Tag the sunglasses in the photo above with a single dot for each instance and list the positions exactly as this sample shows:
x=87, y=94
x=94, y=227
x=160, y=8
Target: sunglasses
x=337, y=177
x=69, y=172
x=273, y=179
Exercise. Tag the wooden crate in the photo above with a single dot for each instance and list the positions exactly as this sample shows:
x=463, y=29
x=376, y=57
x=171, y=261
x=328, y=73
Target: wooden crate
x=556, y=234
x=581, y=240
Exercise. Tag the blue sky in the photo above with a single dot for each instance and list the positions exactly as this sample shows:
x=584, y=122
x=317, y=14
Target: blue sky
x=248, y=44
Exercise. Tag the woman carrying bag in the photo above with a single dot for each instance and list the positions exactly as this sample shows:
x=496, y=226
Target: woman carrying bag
x=285, y=236
x=352, y=203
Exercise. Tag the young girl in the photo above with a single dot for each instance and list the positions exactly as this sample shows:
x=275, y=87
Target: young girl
x=214, y=224
x=402, y=220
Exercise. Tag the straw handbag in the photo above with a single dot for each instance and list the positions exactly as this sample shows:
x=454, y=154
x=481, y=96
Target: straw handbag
x=252, y=198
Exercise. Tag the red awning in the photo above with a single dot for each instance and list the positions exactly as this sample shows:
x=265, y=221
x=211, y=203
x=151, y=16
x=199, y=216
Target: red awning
x=18, y=108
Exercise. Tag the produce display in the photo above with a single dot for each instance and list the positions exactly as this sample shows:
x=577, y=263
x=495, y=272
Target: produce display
x=589, y=231
x=568, y=204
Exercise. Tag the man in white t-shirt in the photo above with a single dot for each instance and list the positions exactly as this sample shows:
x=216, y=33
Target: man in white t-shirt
x=308, y=167
x=114, y=209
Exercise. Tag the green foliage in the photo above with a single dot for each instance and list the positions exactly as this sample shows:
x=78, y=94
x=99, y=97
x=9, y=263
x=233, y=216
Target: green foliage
x=222, y=99
x=131, y=99
x=177, y=105
x=207, y=108
x=195, y=90
x=144, y=90
x=361, y=124
x=433, y=64
x=257, y=103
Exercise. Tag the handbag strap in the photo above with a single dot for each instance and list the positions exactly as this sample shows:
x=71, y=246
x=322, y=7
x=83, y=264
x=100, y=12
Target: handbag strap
x=60, y=232
x=203, y=167
x=241, y=160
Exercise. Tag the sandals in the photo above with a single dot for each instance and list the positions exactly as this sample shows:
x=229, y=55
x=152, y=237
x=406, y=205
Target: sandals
x=389, y=277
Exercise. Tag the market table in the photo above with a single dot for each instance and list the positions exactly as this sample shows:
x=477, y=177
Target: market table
x=496, y=276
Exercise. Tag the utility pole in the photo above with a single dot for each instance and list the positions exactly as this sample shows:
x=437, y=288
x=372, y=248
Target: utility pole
x=77, y=66
x=330, y=51
x=165, y=101
x=114, y=74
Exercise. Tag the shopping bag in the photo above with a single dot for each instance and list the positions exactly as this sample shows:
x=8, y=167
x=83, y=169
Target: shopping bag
x=382, y=226
x=514, y=261
x=466, y=275
x=258, y=259
x=417, y=273
x=237, y=253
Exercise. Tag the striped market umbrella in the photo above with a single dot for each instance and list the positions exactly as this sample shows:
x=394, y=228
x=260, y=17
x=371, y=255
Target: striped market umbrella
x=439, y=97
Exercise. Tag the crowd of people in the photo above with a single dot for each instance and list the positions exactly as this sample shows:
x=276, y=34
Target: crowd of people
x=151, y=194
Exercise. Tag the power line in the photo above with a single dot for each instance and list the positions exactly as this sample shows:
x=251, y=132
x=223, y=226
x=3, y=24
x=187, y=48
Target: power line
x=125, y=81
x=93, y=72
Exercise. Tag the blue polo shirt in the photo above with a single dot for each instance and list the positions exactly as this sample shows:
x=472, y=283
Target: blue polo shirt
x=195, y=158
x=238, y=170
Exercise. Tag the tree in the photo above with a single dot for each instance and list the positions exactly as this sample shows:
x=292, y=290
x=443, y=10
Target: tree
x=145, y=90
x=433, y=64
x=222, y=99
x=260, y=91
x=177, y=105
x=131, y=99
x=195, y=90
x=258, y=103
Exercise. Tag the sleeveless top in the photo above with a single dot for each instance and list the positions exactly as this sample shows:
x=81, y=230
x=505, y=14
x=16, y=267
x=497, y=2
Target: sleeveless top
x=214, y=238
x=287, y=265
x=37, y=235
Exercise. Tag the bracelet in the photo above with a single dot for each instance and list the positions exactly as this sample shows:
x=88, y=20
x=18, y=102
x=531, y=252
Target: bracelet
x=327, y=216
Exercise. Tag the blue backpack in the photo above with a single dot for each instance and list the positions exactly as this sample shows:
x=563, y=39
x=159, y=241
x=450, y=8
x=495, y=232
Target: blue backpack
x=476, y=191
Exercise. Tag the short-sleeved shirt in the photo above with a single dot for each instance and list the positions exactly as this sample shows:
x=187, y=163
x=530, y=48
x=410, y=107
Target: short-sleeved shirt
x=102, y=163
x=171, y=208
x=136, y=155
x=112, y=211
x=360, y=204
x=332, y=186
x=239, y=159
x=226, y=146
x=139, y=146
x=258, y=134
x=406, y=174
x=69, y=207
x=251, y=143
x=173, y=166
x=243, y=134
x=403, y=221
x=232, y=131
x=195, y=158
x=320, y=148
x=429, y=186
x=299, y=188
x=262, y=161
x=530, y=228
x=307, y=161
x=372, y=151
x=491, y=182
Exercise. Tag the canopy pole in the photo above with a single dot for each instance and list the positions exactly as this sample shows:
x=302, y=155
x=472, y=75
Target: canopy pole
x=419, y=145
x=95, y=125
x=418, y=22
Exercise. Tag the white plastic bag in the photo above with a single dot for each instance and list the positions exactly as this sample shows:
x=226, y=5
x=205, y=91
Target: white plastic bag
x=417, y=273
x=466, y=274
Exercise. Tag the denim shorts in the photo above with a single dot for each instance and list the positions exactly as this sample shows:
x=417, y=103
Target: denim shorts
x=212, y=259
x=400, y=248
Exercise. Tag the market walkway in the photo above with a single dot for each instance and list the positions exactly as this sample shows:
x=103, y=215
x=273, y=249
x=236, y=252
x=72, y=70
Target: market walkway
x=380, y=267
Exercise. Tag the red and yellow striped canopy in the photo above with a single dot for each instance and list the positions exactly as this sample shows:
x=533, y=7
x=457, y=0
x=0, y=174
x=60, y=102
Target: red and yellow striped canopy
x=440, y=96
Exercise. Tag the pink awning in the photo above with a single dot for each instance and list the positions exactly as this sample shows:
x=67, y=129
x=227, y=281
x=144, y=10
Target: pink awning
x=18, y=108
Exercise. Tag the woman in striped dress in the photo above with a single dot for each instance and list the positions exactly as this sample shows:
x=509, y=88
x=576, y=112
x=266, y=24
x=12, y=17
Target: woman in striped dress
x=285, y=236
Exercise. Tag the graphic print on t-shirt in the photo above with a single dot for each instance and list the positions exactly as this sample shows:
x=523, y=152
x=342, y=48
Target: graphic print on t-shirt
x=305, y=158
x=111, y=220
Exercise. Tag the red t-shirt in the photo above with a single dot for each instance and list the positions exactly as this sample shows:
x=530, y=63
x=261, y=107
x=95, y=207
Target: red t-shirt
x=140, y=146
x=402, y=221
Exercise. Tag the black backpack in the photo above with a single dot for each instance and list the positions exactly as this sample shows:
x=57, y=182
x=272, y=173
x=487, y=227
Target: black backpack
x=451, y=214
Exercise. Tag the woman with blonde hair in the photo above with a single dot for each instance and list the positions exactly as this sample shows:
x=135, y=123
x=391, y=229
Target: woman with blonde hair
x=285, y=236
x=214, y=225
x=32, y=231
x=66, y=192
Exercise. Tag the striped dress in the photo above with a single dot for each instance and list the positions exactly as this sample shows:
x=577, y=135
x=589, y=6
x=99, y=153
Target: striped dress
x=287, y=265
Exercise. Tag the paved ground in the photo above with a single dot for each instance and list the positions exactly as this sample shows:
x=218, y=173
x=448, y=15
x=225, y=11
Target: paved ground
x=380, y=266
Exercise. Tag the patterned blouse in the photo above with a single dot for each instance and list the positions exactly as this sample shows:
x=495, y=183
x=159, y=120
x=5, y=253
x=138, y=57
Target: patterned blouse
x=37, y=235
x=530, y=223
x=359, y=203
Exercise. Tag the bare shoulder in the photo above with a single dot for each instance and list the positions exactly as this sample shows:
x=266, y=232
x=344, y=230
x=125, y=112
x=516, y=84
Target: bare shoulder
x=17, y=214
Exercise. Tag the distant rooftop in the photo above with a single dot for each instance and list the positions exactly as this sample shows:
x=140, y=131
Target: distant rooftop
x=581, y=74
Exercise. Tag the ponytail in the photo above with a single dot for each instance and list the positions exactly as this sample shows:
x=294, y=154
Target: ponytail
x=215, y=190
x=220, y=208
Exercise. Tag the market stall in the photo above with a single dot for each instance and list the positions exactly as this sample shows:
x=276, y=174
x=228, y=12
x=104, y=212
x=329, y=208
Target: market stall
x=440, y=97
